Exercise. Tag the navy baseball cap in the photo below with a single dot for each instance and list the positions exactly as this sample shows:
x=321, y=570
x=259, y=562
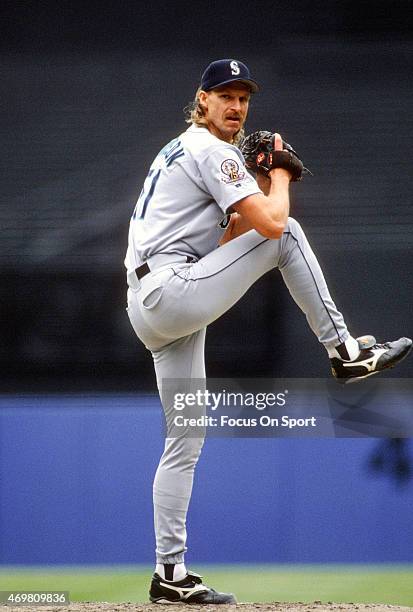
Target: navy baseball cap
x=226, y=71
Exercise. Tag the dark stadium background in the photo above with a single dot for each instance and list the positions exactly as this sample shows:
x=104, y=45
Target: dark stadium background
x=90, y=92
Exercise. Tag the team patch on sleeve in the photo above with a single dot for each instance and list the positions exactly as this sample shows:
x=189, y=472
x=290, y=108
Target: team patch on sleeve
x=230, y=171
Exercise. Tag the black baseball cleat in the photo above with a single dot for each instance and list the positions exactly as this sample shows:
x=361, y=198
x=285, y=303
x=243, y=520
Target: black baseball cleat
x=372, y=359
x=190, y=590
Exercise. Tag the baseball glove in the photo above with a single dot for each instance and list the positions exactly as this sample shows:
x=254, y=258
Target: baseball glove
x=259, y=155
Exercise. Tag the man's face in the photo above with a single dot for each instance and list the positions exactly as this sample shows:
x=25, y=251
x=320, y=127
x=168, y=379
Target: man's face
x=226, y=109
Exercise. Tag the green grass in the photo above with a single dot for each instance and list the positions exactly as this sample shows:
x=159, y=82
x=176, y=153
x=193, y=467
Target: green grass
x=389, y=584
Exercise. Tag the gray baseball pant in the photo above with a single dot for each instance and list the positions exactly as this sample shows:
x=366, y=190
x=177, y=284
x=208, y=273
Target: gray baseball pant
x=170, y=309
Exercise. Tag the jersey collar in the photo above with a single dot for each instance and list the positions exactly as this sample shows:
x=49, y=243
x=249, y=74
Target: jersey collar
x=197, y=128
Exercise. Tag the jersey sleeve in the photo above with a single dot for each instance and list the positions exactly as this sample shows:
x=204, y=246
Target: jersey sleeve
x=226, y=177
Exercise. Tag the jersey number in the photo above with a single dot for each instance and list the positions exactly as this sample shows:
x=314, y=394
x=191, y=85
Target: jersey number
x=145, y=196
x=167, y=156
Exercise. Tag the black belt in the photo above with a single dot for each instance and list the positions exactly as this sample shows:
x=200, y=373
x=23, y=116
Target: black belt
x=144, y=269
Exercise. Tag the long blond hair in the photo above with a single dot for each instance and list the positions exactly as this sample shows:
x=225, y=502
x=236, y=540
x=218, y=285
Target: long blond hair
x=195, y=113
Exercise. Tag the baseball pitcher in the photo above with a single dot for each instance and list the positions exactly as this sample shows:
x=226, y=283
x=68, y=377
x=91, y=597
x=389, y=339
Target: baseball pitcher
x=212, y=218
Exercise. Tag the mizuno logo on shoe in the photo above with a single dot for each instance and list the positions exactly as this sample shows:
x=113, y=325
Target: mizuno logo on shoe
x=185, y=592
x=369, y=363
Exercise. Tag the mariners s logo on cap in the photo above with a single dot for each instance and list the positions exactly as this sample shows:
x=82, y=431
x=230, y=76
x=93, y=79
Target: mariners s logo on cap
x=224, y=71
x=234, y=67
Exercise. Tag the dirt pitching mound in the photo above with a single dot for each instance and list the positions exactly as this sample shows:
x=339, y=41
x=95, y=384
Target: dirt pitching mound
x=243, y=607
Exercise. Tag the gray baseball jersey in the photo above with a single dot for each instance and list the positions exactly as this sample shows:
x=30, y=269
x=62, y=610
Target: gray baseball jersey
x=191, y=185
